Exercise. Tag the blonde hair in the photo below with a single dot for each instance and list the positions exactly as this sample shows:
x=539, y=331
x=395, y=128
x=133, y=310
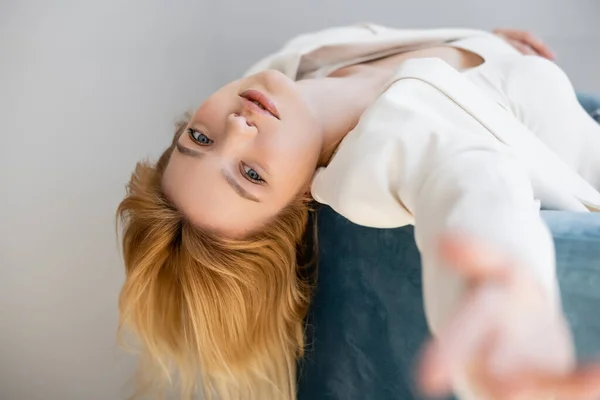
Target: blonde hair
x=224, y=316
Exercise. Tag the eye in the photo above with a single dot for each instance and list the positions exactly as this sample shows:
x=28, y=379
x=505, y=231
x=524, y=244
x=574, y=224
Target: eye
x=199, y=137
x=251, y=174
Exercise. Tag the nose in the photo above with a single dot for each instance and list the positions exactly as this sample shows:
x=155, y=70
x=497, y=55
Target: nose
x=239, y=125
x=239, y=132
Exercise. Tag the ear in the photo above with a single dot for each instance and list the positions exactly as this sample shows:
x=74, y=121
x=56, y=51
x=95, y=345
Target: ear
x=307, y=196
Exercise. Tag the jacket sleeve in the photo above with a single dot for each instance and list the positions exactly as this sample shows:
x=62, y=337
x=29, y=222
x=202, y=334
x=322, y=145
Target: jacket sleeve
x=485, y=193
x=478, y=189
x=415, y=153
x=453, y=175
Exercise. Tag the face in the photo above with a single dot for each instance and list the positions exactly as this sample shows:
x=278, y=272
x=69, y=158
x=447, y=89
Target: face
x=248, y=150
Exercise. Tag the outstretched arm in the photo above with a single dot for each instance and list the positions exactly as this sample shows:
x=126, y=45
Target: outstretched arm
x=489, y=280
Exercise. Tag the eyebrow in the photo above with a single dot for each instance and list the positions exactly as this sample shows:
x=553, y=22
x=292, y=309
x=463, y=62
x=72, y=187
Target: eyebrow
x=186, y=151
x=238, y=188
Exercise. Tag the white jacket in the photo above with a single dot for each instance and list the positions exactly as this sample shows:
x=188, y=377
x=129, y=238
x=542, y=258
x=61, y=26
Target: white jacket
x=435, y=151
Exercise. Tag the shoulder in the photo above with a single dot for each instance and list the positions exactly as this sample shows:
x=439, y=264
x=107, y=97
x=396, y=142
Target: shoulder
x=361, y=181
x=379, y=166
x=287, y=58
x=369, y=36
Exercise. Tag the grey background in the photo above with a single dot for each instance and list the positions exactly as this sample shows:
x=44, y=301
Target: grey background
x=87, y=88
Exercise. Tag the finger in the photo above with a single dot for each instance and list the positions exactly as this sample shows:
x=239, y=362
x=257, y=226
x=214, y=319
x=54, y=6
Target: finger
x=530, y=40
x=583, y=383
x=536, y=44
x=500, y=31
x=522, y=48
x=481, y=382
x=473, y=259
x=454, y=348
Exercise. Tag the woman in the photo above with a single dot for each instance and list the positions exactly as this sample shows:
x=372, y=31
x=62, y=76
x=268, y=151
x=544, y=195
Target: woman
x=450, y=130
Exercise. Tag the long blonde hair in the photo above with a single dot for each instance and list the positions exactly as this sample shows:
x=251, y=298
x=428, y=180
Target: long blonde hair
x=224, y=316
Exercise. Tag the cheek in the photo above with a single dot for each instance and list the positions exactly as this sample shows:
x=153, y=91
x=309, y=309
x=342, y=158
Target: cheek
x=219, y=103
x=296, y=163
x=293, y=143
x=306, y=144
x=300, y=134
x=212, y=110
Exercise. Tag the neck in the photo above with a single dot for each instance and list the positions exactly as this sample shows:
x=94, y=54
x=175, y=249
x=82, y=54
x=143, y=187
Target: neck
x=338, y=102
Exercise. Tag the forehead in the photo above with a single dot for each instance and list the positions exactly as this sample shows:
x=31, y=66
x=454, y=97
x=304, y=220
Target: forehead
x=200, y=191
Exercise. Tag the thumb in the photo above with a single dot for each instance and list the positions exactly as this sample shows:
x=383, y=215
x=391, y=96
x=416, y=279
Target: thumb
x=457, y=344
x=473, y=259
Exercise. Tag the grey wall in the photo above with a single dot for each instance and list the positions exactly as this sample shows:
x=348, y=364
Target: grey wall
x=87, y=88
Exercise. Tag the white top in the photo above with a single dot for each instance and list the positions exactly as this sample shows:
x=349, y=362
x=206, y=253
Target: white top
x=440, y=151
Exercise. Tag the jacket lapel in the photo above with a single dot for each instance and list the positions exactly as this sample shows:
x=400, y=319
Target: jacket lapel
x=360, y=39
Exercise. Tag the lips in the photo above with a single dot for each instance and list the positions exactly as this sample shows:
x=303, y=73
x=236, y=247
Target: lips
x=261, y=102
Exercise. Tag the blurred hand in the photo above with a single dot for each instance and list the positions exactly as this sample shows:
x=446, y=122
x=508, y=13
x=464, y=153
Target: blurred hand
x=509, y=337
x=525, y=42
